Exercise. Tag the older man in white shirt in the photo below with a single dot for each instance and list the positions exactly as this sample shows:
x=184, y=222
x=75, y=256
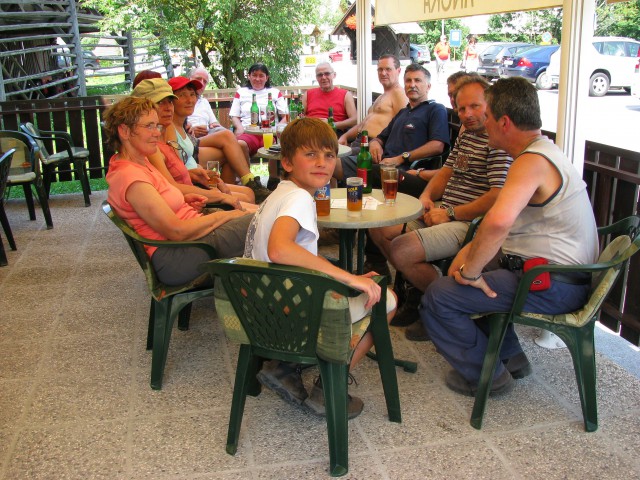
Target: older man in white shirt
x=203, y=121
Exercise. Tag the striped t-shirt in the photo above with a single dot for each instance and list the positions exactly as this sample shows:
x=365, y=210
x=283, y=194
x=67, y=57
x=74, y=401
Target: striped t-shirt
x=476, y=169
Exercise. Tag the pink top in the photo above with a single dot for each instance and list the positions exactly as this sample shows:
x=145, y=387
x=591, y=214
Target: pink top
x=319, y=101
x=175, y=165
x=122, y=174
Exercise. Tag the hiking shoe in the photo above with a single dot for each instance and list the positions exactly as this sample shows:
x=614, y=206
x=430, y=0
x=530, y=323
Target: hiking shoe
x=284, y=379
x=456, y=382
x=272, y=183
x=315, y=402
x=518, y=366
x=259, y=191
x=407, y=314
x=416, y=332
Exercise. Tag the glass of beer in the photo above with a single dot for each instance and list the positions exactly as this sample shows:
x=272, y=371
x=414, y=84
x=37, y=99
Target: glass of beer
x=267, y=138
x=213, y=167
x=354, y=196
x=323, y=200
x=389, y=176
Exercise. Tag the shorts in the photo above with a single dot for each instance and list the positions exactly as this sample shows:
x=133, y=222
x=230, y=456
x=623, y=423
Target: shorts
x=254, y=142
x=440, y=241
x=357, y=304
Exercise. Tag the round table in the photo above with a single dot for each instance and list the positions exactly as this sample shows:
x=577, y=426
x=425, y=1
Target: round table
x=405, y=209
x=343, y=151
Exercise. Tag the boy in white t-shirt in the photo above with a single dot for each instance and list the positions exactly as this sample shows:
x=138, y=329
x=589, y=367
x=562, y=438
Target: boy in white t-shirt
x=285, y=231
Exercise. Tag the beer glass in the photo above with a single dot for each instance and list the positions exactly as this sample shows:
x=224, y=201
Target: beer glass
x=213, y=167
x=389, y=176
x=354, y=196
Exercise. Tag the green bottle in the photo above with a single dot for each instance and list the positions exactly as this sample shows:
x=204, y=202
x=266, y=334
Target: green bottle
x=364, y=163
x=330, y=120
x=293, y=108
x=255, y=112
x=271, y=112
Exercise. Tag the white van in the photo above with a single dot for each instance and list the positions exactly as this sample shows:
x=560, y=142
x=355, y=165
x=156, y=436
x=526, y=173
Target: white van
x=611, y=62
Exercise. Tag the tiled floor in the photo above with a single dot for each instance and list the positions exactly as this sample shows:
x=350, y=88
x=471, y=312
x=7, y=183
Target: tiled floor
x=75, y=400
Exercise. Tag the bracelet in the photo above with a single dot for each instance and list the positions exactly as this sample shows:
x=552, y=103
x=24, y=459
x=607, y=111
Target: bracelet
x=468, y=279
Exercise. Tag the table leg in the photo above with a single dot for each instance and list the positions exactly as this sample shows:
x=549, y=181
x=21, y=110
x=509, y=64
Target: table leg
x=360, y=252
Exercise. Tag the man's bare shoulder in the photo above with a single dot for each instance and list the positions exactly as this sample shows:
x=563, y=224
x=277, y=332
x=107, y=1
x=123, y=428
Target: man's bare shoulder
x=391, y=101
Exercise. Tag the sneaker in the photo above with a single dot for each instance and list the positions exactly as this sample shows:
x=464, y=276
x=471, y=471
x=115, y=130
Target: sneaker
x=315, y=402
x=259, y=191
x=284, y=379
x=456, y=382
x=407, y=314
x=518, y=366
x=416, y=332
x=272, y=183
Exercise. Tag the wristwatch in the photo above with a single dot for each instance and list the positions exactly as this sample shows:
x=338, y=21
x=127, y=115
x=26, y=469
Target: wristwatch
x=406, y=156
x=451, y=214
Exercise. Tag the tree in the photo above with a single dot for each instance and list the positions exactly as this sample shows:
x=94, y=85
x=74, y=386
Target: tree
x=228, y=35
x=433, y=31
x=525, y=26
x=619, y=19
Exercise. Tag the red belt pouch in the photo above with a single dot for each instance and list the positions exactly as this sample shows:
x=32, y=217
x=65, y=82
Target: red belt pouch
x=542, y=281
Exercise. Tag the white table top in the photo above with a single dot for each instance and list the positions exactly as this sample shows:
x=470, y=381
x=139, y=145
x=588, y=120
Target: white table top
x=343, y=151
x=406, y=208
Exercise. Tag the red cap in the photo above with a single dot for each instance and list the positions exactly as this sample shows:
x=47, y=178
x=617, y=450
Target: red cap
x=180, y=82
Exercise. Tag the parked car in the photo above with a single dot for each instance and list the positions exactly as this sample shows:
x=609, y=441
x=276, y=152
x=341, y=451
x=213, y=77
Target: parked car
x=635, y=83
x=531, y=64
x=91, y=61
x=419, y=54
x=337, y=54
x=490, y=60
x=611, y=64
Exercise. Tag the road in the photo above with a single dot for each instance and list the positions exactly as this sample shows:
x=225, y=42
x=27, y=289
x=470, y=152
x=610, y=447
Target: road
x=613, y=119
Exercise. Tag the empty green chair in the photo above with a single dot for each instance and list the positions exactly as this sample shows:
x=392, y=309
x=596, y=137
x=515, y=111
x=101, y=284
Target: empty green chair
x=167, y=301
x=576, y=329
x=5, y=163
x=298, y=315
x=76, y=157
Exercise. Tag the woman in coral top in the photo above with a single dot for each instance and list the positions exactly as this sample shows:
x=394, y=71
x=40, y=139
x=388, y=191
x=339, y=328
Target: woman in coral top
x=154, y=207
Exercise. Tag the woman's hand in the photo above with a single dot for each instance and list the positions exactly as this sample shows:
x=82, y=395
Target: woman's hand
x=233, y=201
x=223, y=187
x=195, y=201
x=199, y=175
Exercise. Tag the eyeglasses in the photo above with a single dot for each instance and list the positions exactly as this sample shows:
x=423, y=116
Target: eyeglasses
x=151, y=126
x=324, y=74
x=180, y=150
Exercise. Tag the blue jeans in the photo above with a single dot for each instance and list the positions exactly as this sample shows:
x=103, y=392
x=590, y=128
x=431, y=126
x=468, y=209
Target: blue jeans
x=447, y=306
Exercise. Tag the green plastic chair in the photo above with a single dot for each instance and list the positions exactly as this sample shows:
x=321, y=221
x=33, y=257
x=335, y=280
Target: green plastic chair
x=576, y=329
x=29, y=176
x=68, y=154
x=167, y=301
x=5, y=163
x=298, y=315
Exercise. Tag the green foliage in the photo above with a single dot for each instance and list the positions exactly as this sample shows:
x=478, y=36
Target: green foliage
x=619, y=19
x=433, y=30
x=326, y=45
x=525, y=26
x=228, y=35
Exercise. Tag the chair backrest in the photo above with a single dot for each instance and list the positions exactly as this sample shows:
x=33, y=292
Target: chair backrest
x=22, y=142
x=31, y=130
x=5, y=165
x=294, y=313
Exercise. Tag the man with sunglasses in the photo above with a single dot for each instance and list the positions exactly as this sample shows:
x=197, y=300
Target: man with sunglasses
x=317, y=101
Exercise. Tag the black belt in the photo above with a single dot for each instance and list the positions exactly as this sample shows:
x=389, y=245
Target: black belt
x=514, y=263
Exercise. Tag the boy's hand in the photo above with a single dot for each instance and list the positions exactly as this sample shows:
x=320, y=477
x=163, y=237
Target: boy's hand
x=368, y=286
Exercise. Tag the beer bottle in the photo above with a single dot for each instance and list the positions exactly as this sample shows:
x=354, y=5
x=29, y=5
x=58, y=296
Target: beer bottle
x=364, y=163
x=255, y=112
x=330, y=120
x=293, y=107
x=271, y=112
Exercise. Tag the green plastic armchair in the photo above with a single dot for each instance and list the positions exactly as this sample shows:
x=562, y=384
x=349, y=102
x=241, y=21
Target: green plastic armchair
x=28, y=175
x=167, y=301
x=576, y=329
x=69, y=154
x=5, y=163
x=298, y=315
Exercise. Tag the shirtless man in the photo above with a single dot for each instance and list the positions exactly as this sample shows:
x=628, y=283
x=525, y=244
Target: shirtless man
x=383, y=109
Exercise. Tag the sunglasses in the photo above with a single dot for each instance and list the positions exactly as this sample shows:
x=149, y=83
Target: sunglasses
x=179, y=149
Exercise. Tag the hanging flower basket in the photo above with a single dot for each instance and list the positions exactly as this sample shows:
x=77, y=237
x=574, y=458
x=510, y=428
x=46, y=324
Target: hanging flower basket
x=350, y=22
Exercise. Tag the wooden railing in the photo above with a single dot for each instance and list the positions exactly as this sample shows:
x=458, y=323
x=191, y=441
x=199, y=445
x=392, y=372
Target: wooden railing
x=612, y=176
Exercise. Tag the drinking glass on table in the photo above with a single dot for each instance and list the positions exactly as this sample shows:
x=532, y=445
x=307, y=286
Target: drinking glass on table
x=267, y=138
x=354, y=196
x=213, y=167
x=389, y=176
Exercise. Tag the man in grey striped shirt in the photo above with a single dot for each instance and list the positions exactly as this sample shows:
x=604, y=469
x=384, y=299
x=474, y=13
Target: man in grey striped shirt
x=467, y=186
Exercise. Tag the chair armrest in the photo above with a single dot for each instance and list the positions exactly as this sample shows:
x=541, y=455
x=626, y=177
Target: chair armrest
x=58, y=134
x=427, y=163
x=221, y=206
